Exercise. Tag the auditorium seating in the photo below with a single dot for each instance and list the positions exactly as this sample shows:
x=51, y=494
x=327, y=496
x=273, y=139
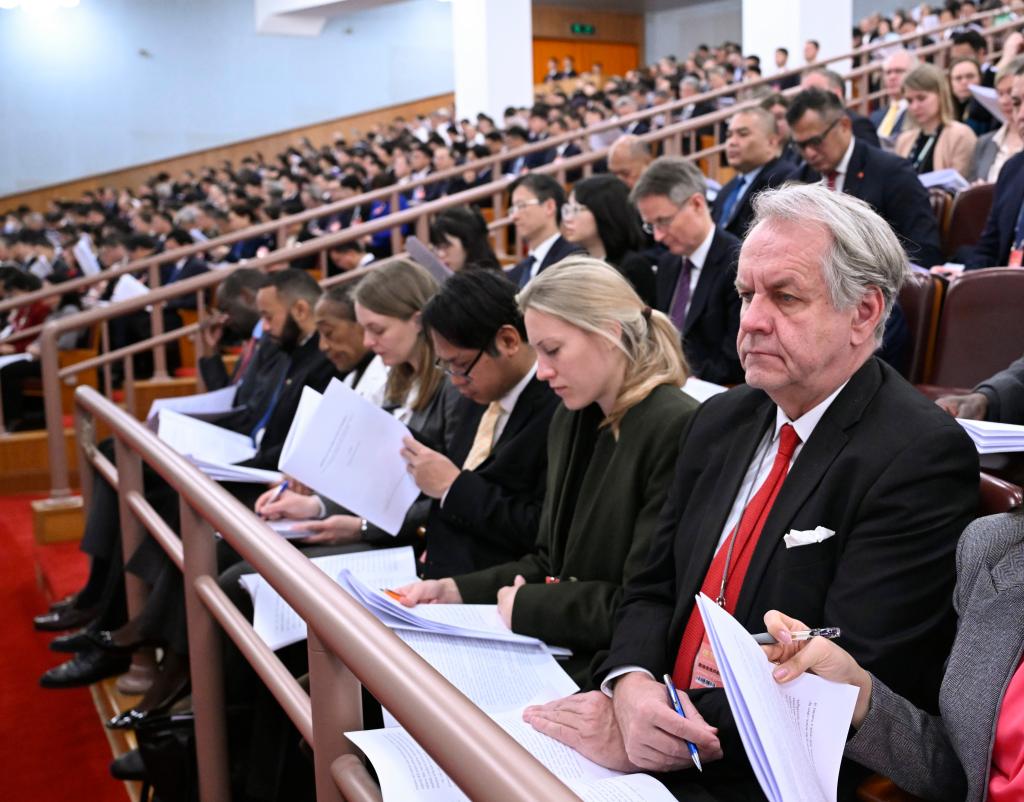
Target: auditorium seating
x=967, y=217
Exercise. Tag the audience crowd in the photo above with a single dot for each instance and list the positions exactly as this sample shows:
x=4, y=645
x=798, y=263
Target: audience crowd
x=563, y=476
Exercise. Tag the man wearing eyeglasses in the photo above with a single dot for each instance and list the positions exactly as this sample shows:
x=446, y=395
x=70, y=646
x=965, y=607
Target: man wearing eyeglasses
x=695, y=279
x=490, y=488
x=822, y=133
x=536, y=212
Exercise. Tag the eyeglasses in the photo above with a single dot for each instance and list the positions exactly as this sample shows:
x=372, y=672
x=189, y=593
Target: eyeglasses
x=662, y=223
x=816, y=141
x=458, y=373
x=573, y=209
x=515, y=208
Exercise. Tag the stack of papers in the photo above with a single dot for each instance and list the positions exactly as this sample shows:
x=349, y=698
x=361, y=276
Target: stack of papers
x=9, y=359
x=994, y=438
x=793, y=734
x=201, y=404
x=948, y=179
x=408, y=774
x=128, y=287
x=988, y=97
x=212, y=449
x=458, y=620
x=702, y=390
x=347, y=449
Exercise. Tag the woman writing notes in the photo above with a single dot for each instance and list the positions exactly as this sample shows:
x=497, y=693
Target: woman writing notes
x=617, y=367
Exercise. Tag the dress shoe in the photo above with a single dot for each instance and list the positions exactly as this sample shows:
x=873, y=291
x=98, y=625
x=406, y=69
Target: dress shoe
x=127, y=719
x=77, y=641
x=63, y=604
x=67, y=618
x=128, y=766
x=85, y=668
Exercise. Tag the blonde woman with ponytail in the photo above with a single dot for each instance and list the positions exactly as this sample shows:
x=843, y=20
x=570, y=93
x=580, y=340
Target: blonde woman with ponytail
x=617, y=367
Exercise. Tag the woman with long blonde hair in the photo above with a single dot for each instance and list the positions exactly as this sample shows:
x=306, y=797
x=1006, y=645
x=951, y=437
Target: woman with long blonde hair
x=617, y=366
x=934, y=139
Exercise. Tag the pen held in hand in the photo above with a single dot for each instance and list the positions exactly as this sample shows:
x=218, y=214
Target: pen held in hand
x=831, y=633
x=393, y=594
x=674, y=698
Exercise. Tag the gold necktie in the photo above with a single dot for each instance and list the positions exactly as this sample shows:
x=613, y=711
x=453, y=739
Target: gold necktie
x=484, y=440
x=889, y=120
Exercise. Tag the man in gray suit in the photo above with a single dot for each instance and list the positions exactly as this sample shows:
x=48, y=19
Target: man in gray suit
x=966, y=753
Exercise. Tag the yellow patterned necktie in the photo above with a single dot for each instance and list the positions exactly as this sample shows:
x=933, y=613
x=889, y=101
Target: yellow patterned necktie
x=484, y=440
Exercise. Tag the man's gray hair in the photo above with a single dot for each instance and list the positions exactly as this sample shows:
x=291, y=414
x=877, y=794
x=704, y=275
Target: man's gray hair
x=671, y=176
x=864, y=251
x=691, y=81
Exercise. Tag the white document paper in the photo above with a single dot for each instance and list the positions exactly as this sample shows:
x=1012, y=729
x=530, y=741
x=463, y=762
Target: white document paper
x=223, y=472
x=494, y=675
x=85, y=257
x=988, y=97
x=350, y=452
x=10, y=359
x=408, y=774
x=425, y=258
x=128, y=287
x=948, y=179
x=279, y=626
x=202, y=403
x=308, y=403
x=994, y=438
x=286, y=528
x=794, y=734
x=702, y=390
x=203, y=441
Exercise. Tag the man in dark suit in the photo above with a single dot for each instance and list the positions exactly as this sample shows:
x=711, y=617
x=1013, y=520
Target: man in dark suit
x=536, y=211
x=830, y=81
x=752, y=150
x=489, y=489
x=694, y=282
x=998, y=398
x=888, y=118
x=826, y=486
x=888, y=183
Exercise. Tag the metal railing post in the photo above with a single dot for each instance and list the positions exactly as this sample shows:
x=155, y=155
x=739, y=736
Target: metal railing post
x=60, y=485
x=205, y=660
x=337, y=704
x=156, y=326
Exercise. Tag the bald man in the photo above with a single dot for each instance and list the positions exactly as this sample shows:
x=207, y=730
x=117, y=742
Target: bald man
x=831, y=81
x=628, y=157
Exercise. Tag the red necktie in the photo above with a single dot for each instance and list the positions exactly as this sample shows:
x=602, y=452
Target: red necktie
x=830, y=179
x=243, y=360
x=746, y=534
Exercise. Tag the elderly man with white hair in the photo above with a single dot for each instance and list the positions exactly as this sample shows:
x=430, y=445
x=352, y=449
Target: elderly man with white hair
x=825, y=485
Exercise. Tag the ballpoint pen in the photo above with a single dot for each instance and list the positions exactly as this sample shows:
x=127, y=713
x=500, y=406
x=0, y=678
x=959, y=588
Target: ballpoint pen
x=674, y=697
x=394, y=594
x=765, y=639
x=277, y=493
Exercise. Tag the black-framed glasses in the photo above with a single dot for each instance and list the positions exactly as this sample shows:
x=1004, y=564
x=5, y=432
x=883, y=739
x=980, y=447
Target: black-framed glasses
x=816, y=141
x=458, y=373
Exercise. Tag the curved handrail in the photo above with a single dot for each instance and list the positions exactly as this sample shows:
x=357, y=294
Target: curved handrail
x=279, y=226
x=479, y=756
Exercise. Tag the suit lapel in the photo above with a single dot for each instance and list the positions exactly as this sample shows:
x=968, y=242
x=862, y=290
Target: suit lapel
x=667, y=276
x=708, y=275
x=826, y=442
x=855, y=170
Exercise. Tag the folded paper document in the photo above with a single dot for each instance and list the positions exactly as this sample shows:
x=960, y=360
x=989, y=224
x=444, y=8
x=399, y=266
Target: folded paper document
x=948, y=179
x=793, y=734
x=203, y=441
x=994, y=438
x=408, y=774
x=349, y=450
x=203, y=403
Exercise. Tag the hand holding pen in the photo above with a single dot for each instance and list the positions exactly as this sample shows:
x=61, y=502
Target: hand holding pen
x=673, y=696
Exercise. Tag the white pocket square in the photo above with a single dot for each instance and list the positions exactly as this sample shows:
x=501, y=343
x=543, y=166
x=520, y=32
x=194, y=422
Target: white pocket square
x=797, y=537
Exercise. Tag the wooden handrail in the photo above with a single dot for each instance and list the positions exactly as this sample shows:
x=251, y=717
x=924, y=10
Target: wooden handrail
x=279, y=226
x=479, y=756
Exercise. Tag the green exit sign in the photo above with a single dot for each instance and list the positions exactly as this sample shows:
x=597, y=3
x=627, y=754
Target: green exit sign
x=582, y=29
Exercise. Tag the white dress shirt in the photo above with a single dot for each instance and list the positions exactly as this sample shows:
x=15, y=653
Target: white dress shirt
x=697, y=259
x=540, y=253
x=844, y=165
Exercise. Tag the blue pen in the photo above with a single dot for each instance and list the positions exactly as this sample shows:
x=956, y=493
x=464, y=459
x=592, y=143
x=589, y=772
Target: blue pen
x=277, y=493
x=674, y=697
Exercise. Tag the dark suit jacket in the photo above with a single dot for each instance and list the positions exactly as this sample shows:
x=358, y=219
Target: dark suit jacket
x=773, y=174
x=561, y=248
x=256, y=387
x=599, y=514
x=893, y=476
x=713, y=319
x=491, y=513
x=307, y=366
x=948, y=757
x=890, y=185
x=878, y=115
x=863, y=128
x=1005, y=394
x=993, y=247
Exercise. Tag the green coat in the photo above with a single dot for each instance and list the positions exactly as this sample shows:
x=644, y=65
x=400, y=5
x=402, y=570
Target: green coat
x=597, y=544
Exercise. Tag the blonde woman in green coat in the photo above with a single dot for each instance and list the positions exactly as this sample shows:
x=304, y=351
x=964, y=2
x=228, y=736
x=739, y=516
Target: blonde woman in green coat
x=617, y=366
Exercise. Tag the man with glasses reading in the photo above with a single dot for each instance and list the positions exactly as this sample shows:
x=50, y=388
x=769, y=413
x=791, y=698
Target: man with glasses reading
x=489, y=490
x=823, y=135
x=695, y=279
x=536, y=211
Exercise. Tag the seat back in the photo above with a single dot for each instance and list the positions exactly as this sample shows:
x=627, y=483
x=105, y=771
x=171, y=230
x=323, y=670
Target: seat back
x=998, y=495
x=921, y=301
x=981, y=327
x=967, y=217
x=942, y=205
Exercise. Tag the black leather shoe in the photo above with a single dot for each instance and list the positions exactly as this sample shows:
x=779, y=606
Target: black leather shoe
x=127, y=720
x=84, y=669
x=68, y=618
x=77, y=641
x=128, y=766
x=63, y=604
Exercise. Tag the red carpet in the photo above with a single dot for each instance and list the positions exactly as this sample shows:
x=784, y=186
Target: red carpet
x=52, y=744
